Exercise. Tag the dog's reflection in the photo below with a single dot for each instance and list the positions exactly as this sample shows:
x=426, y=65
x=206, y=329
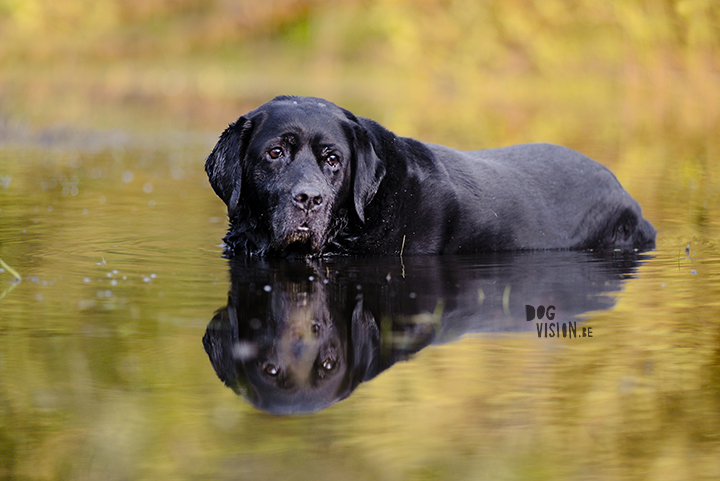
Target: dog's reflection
x=288, y=348
x=299, y=335
x=309, y=351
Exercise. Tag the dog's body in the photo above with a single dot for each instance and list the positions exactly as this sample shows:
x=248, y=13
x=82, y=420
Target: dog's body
x=301, y=176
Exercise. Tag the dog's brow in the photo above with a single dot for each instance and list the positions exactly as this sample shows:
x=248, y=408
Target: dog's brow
x=290, y=139
x=323, y=140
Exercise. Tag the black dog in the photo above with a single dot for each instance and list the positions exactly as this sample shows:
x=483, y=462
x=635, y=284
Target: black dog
x=302, y=176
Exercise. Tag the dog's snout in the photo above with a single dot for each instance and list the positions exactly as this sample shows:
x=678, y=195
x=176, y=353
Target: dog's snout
x=307, y=197
x=298, y=348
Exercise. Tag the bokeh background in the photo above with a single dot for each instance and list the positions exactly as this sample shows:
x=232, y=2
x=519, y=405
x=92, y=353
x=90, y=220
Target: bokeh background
x=107, y=111
x=615, y=79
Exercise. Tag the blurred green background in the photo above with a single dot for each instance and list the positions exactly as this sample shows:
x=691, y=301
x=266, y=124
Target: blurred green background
x=107, y=109
x=615, y=79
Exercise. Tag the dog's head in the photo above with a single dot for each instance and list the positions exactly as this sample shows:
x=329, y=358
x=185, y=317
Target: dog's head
x=288, y=349
x=292, y=172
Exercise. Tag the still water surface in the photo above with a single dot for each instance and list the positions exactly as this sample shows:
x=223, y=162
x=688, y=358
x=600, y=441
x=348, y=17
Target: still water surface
x=132, y=349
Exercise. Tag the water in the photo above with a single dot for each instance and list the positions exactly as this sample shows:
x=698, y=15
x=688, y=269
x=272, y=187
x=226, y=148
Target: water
x=405, y=368
x=299, y=336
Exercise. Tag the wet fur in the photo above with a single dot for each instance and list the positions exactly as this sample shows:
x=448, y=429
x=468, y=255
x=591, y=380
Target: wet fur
x=389, y=194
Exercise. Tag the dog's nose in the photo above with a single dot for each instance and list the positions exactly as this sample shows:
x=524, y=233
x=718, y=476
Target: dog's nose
x=298, y=348
x=307, y=197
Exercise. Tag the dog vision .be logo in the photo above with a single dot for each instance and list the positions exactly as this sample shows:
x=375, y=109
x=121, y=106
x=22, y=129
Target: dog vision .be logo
x=553, y=329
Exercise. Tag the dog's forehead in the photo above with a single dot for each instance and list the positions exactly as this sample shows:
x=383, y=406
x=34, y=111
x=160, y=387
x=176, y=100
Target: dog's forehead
x=312, y=117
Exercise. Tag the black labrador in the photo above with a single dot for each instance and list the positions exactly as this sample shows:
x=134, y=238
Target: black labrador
x=302, y=176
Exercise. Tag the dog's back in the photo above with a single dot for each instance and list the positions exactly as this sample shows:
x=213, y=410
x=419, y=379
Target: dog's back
x=543, y=196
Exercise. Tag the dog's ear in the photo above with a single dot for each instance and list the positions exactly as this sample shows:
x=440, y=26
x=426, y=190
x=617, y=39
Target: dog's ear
x=369, y=167
x=365, y=344
x=224, y=165
x=219, y=339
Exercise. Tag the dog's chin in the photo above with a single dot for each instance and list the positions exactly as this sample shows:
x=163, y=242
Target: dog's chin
x=300, y=242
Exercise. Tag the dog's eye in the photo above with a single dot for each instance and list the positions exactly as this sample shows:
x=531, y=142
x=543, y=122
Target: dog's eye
x=275, y=153
x=271, y=370
x=332, y=159
x=329, y=364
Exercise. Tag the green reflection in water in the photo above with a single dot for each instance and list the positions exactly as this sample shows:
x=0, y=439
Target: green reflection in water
x=103, y=373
